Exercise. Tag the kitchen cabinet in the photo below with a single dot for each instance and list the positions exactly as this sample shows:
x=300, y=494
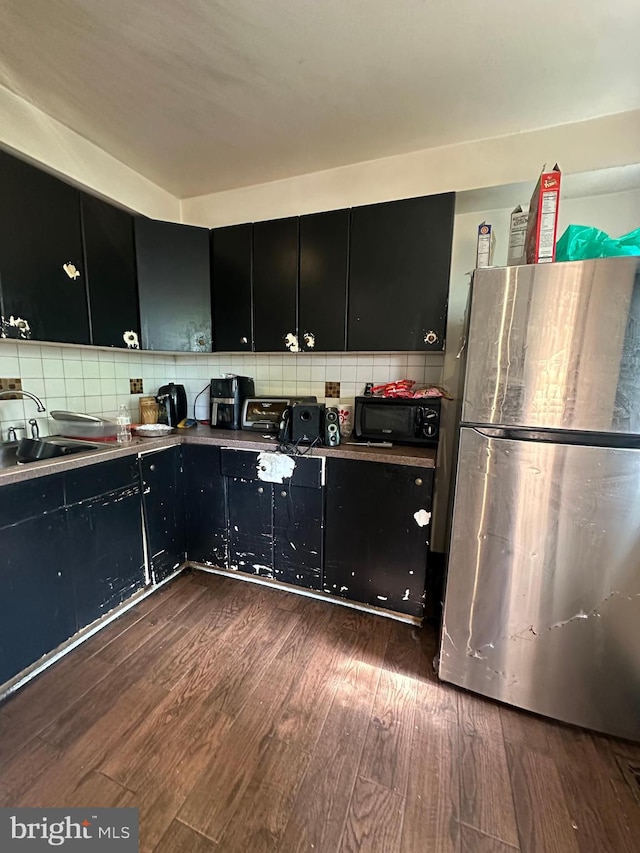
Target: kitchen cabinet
x=163, y=505
x=400, y=257
x=204, y=504
x=377, y=533
x=104, y=528
x=37, y=605
x=174, y=286
x=322, y=300
x=41, y=262
x=231, y=267
x=111, y=271
x=275, y=510
x=275, y=284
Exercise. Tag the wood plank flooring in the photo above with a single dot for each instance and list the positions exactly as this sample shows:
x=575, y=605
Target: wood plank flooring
x=241, y=719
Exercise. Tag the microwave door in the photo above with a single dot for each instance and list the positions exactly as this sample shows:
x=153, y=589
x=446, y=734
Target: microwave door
x=394, y=421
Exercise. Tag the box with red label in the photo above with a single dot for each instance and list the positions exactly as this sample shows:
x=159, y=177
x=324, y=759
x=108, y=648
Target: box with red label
x=543, y=218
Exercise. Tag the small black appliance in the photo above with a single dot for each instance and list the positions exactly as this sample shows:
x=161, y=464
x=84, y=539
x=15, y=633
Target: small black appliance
x=412, y=420
x=306, y=422
x=227, y=398
x=172, y=402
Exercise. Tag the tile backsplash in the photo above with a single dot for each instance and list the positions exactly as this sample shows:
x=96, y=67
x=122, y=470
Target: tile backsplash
x=97, y=380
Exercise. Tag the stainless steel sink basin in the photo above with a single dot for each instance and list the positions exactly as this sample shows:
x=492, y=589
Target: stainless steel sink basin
x=33, y=450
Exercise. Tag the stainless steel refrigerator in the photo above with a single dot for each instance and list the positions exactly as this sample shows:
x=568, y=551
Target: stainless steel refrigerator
x=542, y=606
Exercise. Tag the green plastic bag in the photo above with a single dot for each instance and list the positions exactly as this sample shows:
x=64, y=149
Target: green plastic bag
x=581, y=243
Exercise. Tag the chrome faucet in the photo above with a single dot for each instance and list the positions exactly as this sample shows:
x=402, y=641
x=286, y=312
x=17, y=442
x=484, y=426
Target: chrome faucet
x=28, y=394
x=35, y=429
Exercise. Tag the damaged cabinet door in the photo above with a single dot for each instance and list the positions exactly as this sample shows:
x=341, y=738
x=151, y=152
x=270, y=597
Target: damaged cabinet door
x=377, y=533
x=111, y=273
x=163, y=505
x=275, y=512
x=275, y=285
x=42, y=274
x=36, y=604
x=324, y=262
x=205, y=507
x=174, y=285
x=104, y=520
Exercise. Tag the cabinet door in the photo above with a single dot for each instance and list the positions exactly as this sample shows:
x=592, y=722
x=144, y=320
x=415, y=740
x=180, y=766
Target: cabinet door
x=399, y=266
x=40, y=234
x=250, y=526
x=111, y=271
x=376, y=546
x=174, y=285
x=297, y=535
x=163, y=503
x=231, y=260
x=275, y=283
x=104, y=523
x=205, y=506
x=324, y=252
x=36, y=600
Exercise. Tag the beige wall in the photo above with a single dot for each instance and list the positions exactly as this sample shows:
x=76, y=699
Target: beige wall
x=27, y=131
x=580, y=147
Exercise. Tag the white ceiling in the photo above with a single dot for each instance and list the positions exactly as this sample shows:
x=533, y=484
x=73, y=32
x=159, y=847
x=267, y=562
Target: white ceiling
x=207, y=95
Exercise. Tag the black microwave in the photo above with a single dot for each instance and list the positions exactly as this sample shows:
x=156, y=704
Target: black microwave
x=398, y=419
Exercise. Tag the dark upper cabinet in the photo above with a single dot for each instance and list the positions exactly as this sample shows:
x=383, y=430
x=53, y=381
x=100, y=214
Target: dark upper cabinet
x=40, y=234
x=111, y=271
x=275, y=283
x=174, y=286
x=322, y=305
x=400, y=256
x=231, y=262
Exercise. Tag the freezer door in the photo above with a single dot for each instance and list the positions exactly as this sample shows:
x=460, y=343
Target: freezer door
x=542, y=606
x=556, y=346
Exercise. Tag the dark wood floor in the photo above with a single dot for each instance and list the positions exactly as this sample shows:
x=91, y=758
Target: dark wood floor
x=240, y=718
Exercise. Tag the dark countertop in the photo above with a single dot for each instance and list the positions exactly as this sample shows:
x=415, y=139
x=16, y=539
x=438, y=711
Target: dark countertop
x=421, y=457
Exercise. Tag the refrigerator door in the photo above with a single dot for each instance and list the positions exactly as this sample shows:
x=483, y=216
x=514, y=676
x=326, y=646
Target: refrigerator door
x=543, y=591
x=556, y=346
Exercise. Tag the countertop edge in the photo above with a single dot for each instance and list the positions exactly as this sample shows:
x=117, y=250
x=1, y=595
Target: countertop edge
x=420, y=457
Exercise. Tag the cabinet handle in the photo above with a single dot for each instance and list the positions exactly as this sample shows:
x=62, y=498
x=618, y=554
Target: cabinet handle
x=283, y=494
x=152, y=467
x=418, y=481
x=260, y=490
x=244, y=340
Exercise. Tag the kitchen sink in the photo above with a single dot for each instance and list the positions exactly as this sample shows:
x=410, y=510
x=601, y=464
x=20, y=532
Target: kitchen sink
x=35, y=449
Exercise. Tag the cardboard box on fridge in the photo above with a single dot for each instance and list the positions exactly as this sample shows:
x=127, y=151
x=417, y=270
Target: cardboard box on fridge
x=485, y=246
x=543, y=218
x=516, y=253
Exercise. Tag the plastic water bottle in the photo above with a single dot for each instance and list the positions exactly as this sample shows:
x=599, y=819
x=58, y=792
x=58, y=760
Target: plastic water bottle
x=124, y=425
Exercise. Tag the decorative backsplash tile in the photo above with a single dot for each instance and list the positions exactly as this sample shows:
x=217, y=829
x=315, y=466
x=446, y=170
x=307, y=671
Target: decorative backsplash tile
x=332, y=390
x=136, y=386
x=11, y=385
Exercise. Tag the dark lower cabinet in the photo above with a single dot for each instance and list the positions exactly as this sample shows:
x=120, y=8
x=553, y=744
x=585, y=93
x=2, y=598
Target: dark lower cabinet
x=174, y=286
x=104, y=522
x=42, y=276
x=377, y=533
x=36, y=605
x=298, y=513
x=111, y=272
x=275, y=528
x=163, y=504
x=204, y=505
